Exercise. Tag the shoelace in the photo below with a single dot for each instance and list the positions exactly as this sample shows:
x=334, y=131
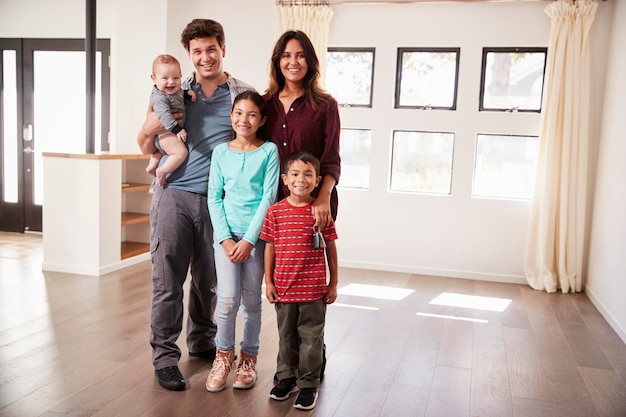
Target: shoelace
x=172, y=373
x=247, y=366
x=219, y=367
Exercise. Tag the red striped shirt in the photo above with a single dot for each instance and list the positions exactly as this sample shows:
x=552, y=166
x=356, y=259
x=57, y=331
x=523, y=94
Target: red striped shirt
x=299, y=269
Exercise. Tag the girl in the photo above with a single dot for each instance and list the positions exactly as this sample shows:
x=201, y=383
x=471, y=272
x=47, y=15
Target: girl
x=243, y=182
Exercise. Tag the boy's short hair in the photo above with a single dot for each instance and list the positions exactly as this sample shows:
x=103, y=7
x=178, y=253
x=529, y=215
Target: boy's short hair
x=202, y=28
x=164, y=59
x=305, y=157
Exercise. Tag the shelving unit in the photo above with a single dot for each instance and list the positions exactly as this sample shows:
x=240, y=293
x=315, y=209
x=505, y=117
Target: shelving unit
x=96, y=213
x=135, y=221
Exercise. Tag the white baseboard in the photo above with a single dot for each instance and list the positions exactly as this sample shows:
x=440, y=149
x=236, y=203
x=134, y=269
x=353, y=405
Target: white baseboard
x=606, y=313
x=94, y=271
x=440, y=272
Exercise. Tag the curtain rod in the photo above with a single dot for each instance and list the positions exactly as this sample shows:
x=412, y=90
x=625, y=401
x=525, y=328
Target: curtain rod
x=329, y=2
x=302, y=2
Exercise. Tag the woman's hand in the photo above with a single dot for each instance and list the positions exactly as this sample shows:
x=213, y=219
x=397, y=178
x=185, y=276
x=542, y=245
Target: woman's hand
x=321, y=205
x=321, y=212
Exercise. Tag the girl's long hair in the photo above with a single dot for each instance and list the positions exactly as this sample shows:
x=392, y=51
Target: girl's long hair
x=313, y=93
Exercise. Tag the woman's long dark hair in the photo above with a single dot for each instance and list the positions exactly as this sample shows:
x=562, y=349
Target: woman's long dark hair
x=313, y=93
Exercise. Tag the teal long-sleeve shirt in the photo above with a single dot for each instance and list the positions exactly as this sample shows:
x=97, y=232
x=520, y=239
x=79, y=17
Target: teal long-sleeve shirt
x=248, y=183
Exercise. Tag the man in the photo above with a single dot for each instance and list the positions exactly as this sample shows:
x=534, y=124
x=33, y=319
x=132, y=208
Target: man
x=181, y=234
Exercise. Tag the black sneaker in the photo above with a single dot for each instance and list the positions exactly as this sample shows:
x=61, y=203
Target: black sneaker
x=281, y=391
x=171, y=378
x=307, y=397
x=206, y=354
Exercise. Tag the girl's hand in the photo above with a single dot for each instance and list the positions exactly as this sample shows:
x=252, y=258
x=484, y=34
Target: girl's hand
x=240, y=252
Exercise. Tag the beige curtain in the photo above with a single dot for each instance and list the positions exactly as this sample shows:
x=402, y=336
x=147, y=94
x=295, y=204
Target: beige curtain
x=312, y=18
x=554, y=255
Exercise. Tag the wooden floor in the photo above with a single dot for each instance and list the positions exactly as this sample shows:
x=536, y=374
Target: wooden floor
x=73, y=345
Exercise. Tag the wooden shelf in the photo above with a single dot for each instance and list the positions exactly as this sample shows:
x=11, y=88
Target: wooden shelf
x=134, y=187
x=129, y=218
x=130, y=249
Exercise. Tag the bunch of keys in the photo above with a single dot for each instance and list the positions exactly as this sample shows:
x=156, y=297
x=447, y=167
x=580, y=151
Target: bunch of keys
x=318, y=239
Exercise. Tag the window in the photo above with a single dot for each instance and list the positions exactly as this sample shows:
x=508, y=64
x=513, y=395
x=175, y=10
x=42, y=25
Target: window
x=505, y=166
x=422, y=162
x=355, y=158
x=427, y=78
x=350, y=75
x=512, y=79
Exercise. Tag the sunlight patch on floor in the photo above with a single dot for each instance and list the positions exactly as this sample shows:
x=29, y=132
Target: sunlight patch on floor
x=354, y=306
x=375, y=291
x=471, y=301
x=447, y=317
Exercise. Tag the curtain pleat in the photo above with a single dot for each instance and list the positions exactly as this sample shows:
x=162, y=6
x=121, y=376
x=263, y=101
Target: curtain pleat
x=554, y=257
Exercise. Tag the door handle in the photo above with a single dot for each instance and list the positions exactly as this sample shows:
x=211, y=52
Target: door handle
x=28, y=133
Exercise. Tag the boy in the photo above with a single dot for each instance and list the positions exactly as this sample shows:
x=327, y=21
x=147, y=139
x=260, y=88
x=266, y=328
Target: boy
x=295, y=279
x=167, y=94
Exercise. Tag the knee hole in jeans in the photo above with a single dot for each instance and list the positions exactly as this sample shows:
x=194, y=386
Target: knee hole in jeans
x=228, y=304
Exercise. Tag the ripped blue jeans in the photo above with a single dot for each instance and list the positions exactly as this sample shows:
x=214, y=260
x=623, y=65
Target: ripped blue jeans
x=239, y=284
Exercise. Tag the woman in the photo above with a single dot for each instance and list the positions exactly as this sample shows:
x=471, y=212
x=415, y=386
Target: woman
x=302, y=116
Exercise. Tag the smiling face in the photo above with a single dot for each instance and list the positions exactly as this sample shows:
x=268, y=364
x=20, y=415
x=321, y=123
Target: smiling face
x=167, y=77
x=301, y=179
x=293, y=63
x=206, y=56
x=246, y=118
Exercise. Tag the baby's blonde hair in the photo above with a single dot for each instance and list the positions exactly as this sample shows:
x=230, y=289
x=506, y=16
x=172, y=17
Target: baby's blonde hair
x=164, y=59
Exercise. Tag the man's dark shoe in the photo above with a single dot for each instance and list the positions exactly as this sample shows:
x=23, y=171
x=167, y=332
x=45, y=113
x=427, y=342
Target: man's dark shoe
x=171, y=378
x=207, y=354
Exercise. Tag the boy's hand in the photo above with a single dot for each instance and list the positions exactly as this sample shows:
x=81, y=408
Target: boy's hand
x=182, y=135
x=331, y=294
x=271, y=294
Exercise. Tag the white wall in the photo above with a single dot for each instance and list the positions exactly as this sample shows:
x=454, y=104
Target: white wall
x=606, y=281
x=453, y=235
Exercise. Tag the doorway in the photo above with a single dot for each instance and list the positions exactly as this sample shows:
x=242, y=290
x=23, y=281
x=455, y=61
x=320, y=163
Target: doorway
x=42, y=109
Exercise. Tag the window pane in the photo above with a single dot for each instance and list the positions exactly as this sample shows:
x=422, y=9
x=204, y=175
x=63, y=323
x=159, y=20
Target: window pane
x=422, y=162
x=9, y=126
x=355, y=158
x=349, y=75
x=505, y=166
x=427, y=78
x=512, y=79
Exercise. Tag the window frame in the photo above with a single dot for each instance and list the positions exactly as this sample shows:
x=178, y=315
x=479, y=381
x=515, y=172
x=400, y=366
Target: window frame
x=486, y=51
x=371, y=92
x=474, y=194
x=398, y=86
x=390, y=188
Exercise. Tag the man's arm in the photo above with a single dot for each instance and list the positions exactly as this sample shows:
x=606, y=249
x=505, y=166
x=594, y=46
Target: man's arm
x=151, y=126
